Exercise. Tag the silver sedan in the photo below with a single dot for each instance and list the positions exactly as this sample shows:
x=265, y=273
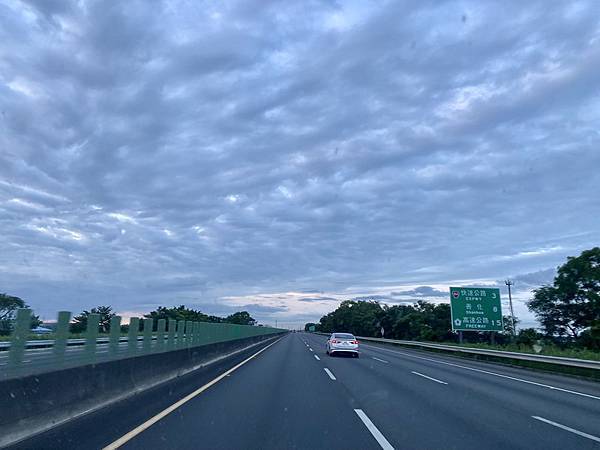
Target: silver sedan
x=342, y=343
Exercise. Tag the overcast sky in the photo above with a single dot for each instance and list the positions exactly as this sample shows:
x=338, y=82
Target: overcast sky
x=281, y=156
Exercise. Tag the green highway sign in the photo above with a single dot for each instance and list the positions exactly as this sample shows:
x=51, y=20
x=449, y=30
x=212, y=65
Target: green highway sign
x=475, y=309
x=311, y=328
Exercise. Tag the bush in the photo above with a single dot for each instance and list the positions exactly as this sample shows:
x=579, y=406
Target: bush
x=528, y=336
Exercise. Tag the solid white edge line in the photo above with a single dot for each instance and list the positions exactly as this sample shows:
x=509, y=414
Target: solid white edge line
x=317, y=358
x=148, y=423
x=554, y=388
x=380, y=360
x=380, y=438
x=329, y=373
x=429, y=378
x=564, y=427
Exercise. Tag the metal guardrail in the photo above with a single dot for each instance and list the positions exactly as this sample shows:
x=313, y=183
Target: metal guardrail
x=22, y=357
x=559, y=360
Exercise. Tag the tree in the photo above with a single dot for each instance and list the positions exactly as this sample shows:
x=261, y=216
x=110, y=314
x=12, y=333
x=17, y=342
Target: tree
x=358, y=317
x=35, y=321
x=79, y=324
x=572, y=303
x=8, y=310
x=182, y=313
x=309, y=325
x=178, y=313
x=240, y=318
x=546, y=306
x=528, y=336
x=508, y=325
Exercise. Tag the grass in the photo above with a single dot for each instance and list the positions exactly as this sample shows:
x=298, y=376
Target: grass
x=547, y=350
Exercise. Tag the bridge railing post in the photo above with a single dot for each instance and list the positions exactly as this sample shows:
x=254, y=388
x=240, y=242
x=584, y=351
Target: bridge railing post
x=115, y=335
x=147, y=342
x=91, y=337
x=160, y=335
x=180, y=333
x=19, y=336
x=61, y=336
x=171, y=334
x=132, y=336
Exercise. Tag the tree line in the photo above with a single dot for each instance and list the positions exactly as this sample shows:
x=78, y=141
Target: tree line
x=568, y=311
x=79, y=322
x=422, y=321
x=10, y=304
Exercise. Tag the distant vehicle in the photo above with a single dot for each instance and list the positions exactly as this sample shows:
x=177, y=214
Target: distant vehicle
x=41, y=330
x=342, y=343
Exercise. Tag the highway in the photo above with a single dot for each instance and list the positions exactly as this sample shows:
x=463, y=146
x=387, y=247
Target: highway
x=292, y=395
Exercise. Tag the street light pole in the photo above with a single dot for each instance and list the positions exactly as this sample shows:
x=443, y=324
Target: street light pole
x=512, y=314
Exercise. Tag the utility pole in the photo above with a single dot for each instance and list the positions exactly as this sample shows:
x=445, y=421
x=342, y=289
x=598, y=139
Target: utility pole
x=512, y=314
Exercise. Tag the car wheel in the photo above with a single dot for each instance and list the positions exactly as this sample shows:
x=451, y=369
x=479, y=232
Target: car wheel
x=357, y=356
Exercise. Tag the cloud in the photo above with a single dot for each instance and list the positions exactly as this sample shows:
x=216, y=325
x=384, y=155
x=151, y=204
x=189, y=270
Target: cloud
x=534, y=279
x=316, y=299
x=422, y=291
x=245, y=150
x=372, y=298
x=257, y=308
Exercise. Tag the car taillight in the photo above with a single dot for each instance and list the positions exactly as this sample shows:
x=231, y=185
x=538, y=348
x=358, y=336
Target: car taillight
x=335, y=342
x=354, y=342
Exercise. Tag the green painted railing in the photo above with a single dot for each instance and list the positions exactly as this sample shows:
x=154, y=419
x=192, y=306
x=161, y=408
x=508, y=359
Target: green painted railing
x=156, y=337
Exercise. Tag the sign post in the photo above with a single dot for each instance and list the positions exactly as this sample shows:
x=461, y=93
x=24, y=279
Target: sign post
x=475, y=309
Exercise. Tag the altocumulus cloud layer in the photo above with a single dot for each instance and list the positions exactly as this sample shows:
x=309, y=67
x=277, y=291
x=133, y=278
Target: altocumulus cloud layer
x=281, y=156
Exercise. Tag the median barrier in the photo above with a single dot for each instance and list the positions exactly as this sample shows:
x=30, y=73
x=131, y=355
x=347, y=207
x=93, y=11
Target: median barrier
x=41, y=399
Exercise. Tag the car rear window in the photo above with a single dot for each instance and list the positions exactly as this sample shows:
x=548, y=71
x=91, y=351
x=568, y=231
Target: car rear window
x=343, y=336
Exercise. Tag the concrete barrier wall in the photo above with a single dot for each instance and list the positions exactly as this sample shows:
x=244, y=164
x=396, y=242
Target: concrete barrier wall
x=31, y=404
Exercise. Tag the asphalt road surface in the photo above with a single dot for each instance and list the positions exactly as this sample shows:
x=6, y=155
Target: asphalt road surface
x=293, y=396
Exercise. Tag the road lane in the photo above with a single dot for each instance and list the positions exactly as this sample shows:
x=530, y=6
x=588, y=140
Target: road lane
x=569, y=399
x=179, y=403
x=534, y=391
x=282, y=399
x=101, y=427
x=475, y=410
x=447, y=362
